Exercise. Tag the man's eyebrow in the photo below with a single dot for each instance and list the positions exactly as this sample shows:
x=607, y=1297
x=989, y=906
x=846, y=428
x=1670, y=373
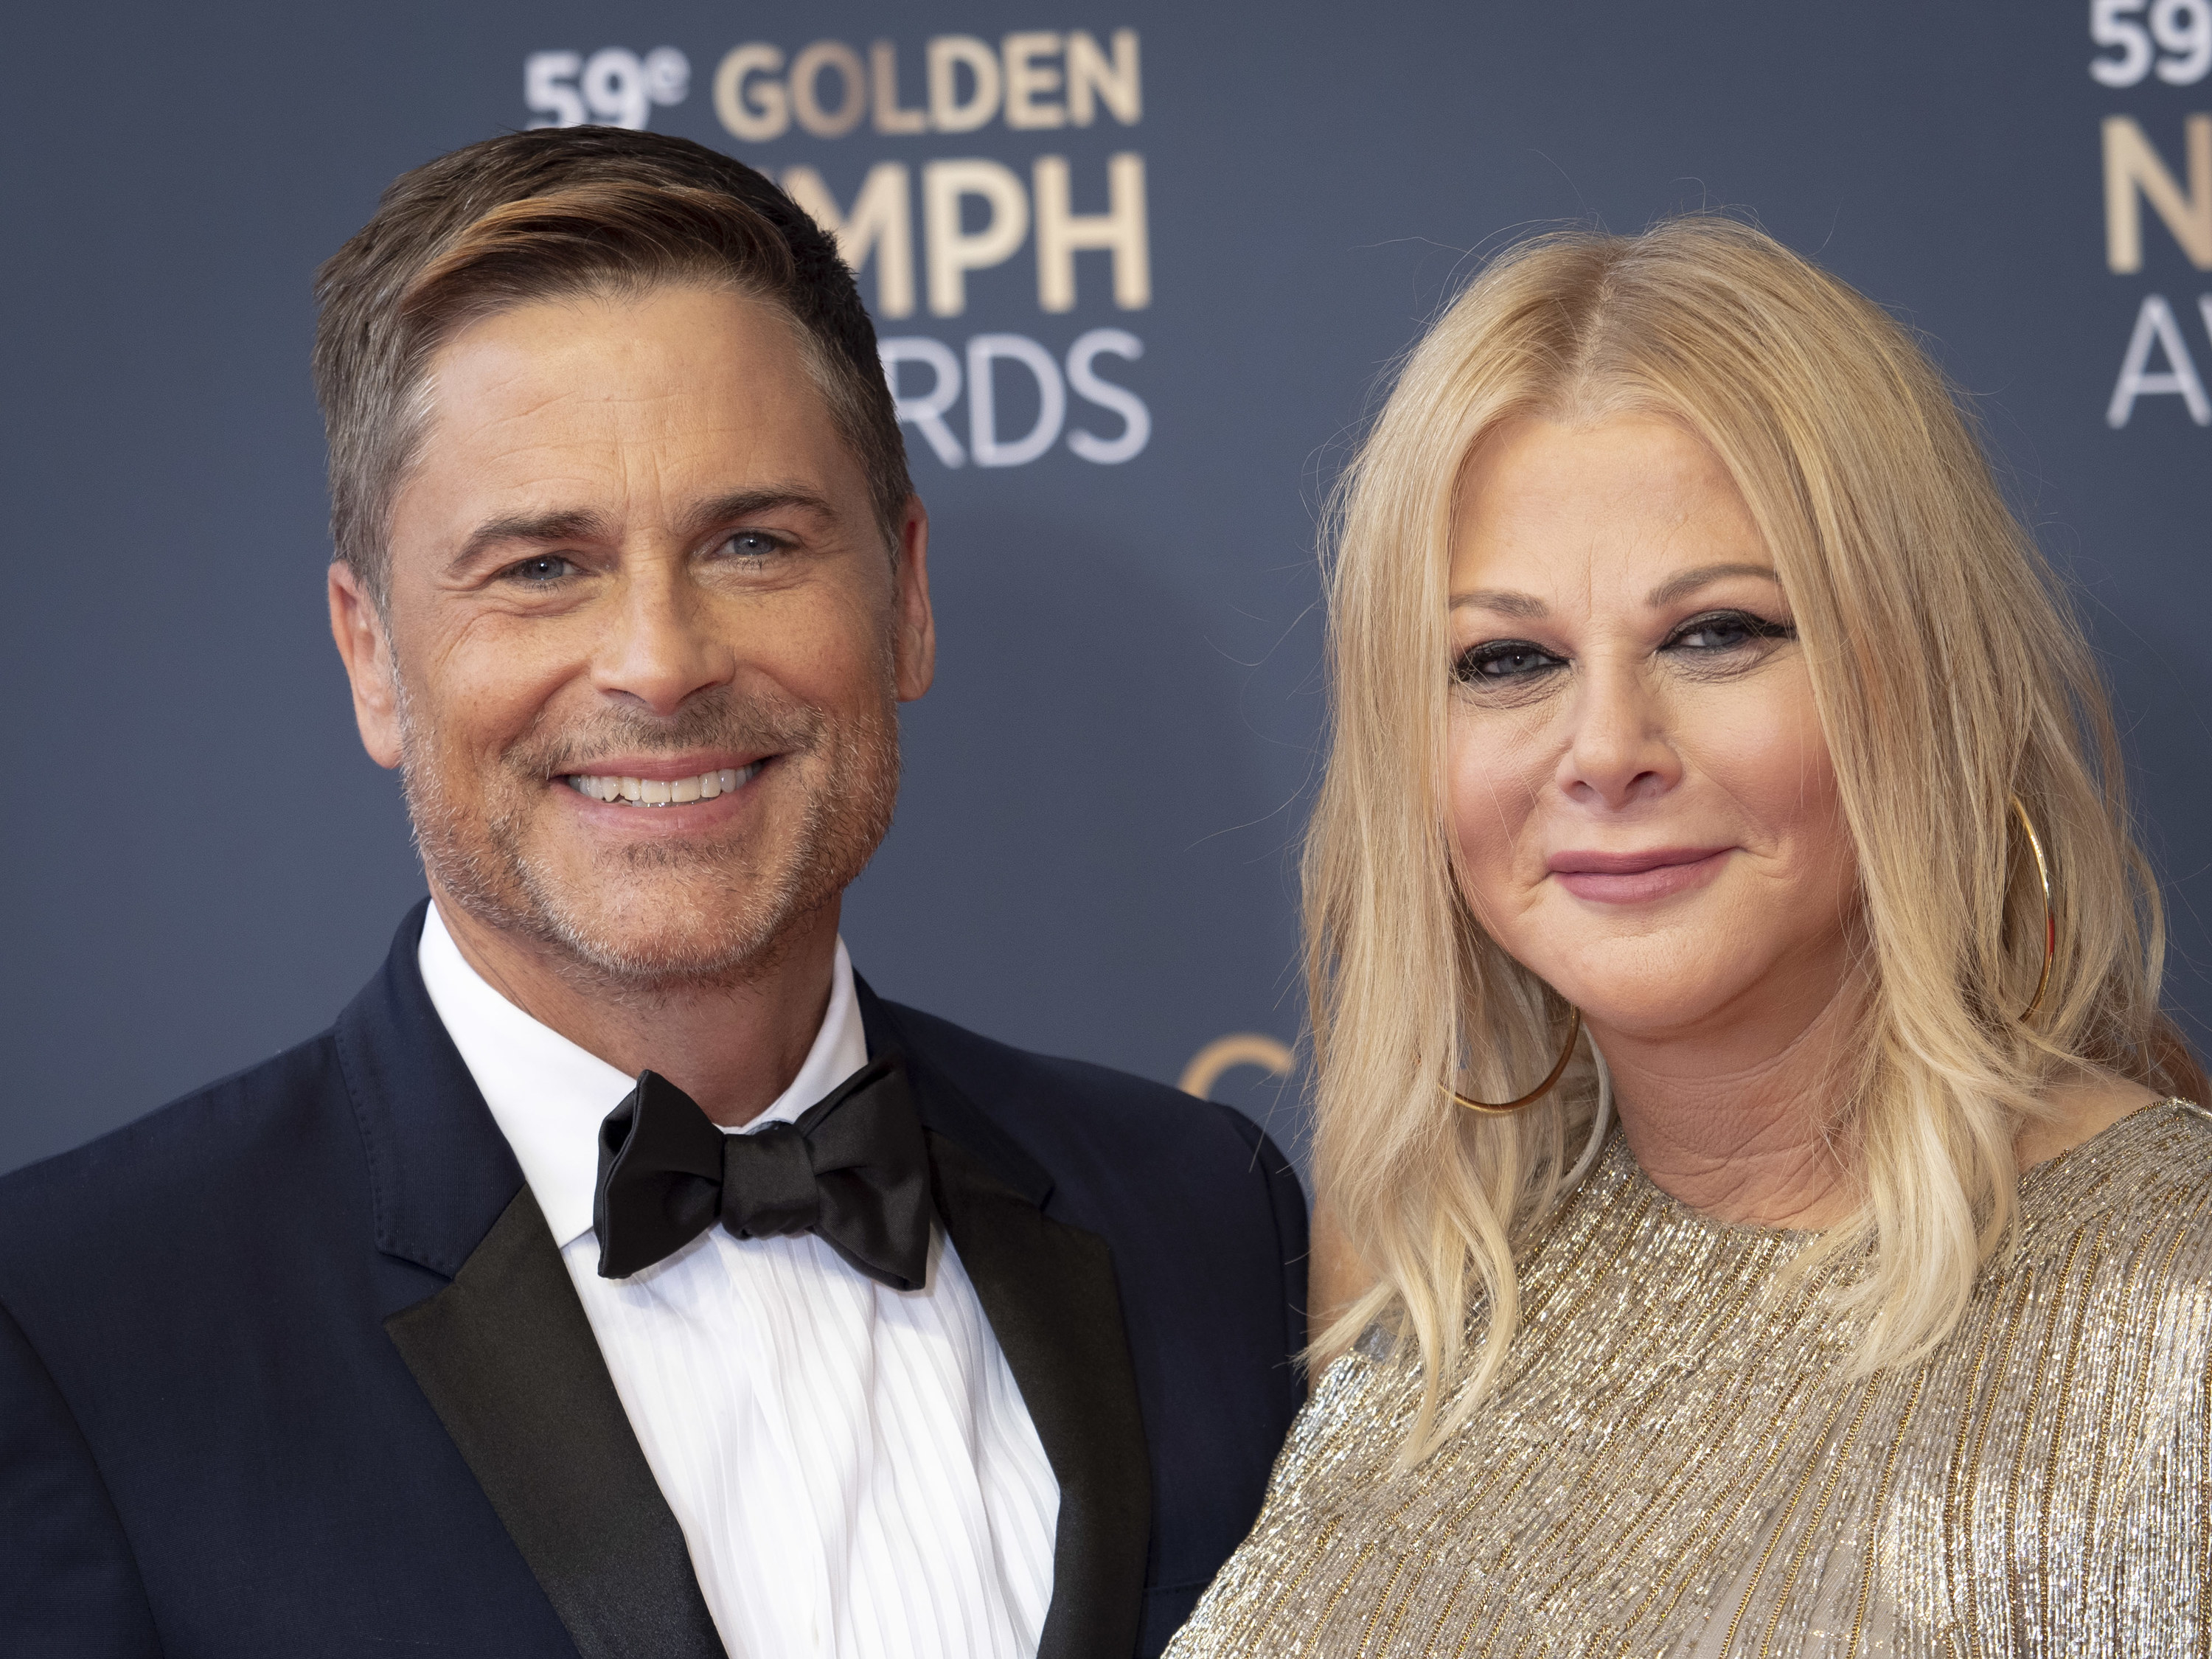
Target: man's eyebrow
x=1690, y=581
x=583, y=524
x=573, y=524
x=1498, y=599
x=748, y=503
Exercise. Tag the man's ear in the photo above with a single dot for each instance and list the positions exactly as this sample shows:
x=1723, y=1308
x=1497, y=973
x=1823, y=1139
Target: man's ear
x=358, y=627
x=914, y=642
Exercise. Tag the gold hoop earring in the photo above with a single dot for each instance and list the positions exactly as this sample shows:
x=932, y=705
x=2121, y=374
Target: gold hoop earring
x=1506, y=1108
x=2050, y=908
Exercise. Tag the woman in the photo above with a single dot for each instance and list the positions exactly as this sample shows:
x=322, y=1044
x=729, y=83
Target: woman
x=1766, y=1222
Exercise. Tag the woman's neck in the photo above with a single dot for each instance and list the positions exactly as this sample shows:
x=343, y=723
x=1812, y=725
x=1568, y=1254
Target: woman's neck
x=1737, y=1122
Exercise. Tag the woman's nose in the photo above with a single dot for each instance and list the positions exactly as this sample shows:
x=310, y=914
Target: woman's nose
x=1618, y=750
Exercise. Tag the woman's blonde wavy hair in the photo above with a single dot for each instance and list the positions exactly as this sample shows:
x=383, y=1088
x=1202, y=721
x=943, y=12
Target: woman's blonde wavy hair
x=1948, y=676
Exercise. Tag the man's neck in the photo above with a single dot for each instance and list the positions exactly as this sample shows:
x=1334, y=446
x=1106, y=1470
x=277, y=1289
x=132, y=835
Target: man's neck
x=734, y=1048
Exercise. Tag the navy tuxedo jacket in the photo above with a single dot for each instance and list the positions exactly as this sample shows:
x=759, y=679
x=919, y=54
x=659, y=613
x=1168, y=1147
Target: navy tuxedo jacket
x=292, y=1366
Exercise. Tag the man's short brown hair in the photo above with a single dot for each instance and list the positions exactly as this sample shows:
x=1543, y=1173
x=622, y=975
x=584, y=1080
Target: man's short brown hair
x=555, y=212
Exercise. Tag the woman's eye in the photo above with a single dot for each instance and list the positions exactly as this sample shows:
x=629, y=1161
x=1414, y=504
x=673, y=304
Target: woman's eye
x=1726, y=631
x=1504, y=659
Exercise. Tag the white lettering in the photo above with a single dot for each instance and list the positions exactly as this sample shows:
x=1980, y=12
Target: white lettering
x=985, y=352
x=1136, y=419
x=925, y=414
x=927, y=410
x=2154, y=326
x=545, y=88
x=613, y=84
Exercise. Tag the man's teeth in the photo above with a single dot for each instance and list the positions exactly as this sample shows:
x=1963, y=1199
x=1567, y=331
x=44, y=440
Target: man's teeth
x=661, y=791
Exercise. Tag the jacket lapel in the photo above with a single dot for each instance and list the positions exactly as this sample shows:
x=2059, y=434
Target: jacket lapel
x=1050, y=1292
x=504, y=1352
x=508, y=1360
x=506, y=1356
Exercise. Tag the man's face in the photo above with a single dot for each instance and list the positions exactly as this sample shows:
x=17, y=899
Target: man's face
x=641, y=641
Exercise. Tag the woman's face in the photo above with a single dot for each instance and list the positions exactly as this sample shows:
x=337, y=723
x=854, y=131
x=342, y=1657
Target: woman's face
x=1644, y=803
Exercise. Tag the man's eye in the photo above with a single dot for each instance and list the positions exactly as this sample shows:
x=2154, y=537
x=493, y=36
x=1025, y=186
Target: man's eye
x=1726, y=631
x=543, y=569
x=751, y=544
x=1504, y=659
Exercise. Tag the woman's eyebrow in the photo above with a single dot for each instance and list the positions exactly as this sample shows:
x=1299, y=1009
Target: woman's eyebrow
x=1498, y=599
x=1690, y=581
x=1510, y=603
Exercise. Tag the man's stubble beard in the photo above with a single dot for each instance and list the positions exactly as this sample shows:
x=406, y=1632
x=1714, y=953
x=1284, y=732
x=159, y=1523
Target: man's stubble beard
x=720, y=915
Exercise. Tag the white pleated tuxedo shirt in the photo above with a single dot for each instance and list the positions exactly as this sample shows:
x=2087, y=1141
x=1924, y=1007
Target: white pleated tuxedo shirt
x=853, y=1468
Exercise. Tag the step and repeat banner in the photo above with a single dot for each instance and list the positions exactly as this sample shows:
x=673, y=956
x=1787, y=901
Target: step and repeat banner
x=1136, y=271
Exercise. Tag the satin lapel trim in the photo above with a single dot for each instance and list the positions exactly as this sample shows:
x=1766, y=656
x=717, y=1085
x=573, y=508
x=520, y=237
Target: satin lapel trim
x=1050, y=1292
x=508, y=1360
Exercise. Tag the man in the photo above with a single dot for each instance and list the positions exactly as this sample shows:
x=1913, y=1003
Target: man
x=620, y=1275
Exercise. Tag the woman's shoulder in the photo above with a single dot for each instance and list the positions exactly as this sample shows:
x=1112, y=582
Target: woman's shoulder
x=2140, y=1188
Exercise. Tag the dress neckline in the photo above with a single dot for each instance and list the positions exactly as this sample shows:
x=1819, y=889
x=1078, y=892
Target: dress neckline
x=2036, y=1184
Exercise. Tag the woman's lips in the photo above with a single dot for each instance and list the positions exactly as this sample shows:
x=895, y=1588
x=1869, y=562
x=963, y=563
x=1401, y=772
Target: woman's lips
x=1637, y=878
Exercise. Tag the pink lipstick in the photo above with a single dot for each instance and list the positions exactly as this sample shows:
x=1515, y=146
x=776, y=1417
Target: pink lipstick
x=1637, y=878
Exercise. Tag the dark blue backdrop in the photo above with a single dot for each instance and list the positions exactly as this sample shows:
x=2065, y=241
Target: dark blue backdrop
x=1092, y=851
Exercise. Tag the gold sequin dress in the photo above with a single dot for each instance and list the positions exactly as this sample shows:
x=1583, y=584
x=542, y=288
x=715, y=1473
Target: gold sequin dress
x=1676, y=1464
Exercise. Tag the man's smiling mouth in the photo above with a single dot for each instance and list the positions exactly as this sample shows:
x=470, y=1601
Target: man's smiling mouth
x=661, y=791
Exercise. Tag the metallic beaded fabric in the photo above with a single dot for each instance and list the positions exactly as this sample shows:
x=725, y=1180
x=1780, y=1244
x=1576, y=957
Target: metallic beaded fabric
x=1677, y=1464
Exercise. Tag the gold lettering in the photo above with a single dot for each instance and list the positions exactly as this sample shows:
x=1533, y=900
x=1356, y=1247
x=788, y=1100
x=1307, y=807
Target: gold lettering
x=880, y=224
x=883, y=58
x=1026, y=78
x=1092, y=76
x=2134, y=173
x=1060, y=233
x=953, y=250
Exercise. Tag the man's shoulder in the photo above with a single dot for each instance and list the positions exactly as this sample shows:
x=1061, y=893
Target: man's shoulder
x=1057, y=1108
x=1205, y=1224
x=1098, y=1098
x=153, y=1176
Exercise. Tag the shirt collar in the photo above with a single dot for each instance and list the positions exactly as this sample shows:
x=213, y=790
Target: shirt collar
x=549, y=1095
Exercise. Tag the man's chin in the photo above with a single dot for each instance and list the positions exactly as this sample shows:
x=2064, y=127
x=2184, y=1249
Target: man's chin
x=661, y=915
x=653, y=941
x=636, y=931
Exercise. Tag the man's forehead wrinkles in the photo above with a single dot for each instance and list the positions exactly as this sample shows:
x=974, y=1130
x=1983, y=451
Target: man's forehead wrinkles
x=527, y=392
x=446, y=430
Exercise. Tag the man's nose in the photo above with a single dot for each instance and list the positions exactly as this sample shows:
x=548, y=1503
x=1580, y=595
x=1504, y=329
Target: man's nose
x=661, y=646
x=1618, y=750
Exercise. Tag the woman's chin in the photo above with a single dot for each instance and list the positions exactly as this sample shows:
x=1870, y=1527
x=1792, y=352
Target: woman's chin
x=1656, y=1004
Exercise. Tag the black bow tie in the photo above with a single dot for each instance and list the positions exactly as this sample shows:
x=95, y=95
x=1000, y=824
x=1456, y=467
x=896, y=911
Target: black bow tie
x=853, y=1171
